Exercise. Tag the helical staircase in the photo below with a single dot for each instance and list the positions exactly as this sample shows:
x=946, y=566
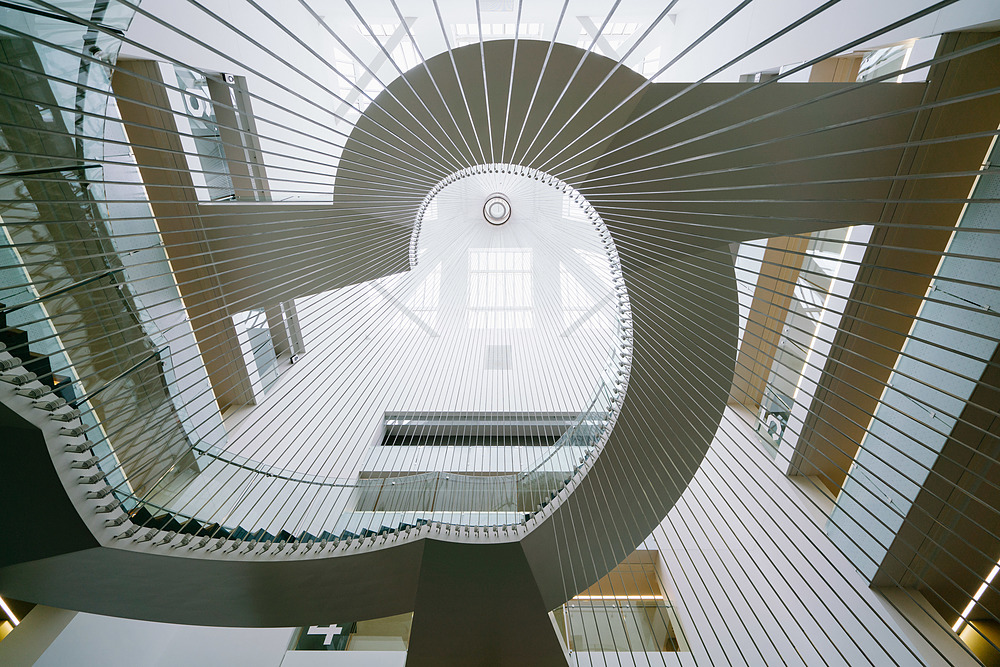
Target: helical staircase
x=638, y=156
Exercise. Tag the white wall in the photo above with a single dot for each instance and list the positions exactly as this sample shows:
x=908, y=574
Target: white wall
x=756, y=580
x=89, y=640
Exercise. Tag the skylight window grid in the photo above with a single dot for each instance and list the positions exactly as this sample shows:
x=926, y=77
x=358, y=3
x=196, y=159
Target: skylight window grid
x=468, y=33
x=347, y=74
x=386, y=35
x=500, y=289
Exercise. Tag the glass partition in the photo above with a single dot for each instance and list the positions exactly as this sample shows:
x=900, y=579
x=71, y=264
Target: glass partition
x=649, y=626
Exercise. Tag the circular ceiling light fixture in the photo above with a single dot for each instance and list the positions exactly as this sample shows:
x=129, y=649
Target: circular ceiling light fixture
x=496, y=210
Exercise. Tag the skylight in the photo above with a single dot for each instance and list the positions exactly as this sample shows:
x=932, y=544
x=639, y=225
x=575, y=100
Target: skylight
x=468, y=33
x=500, y=288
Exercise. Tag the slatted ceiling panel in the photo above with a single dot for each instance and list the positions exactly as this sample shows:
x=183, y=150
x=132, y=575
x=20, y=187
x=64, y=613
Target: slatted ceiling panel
x=671, y=438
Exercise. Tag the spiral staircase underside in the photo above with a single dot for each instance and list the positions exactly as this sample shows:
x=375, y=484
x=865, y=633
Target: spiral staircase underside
x=679, y=273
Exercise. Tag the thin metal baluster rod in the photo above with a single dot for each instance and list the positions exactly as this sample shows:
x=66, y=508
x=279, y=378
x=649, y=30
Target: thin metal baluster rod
x=510, y=86
x=457, y=160
x=711, y=569
x=696, y=288
x=607, y=77
x=176, y=63
x=229, y=59
x=923, y=106
x=723, y=215
x=570, y=621
x=909, y=143
x=323, y=203
x=622, y=209
x=972, y=308
x=841, y=49
x=569, y=82
x=639, y=242
x=819, y=367
x=386, y=343
x=898, y=583
x=749, y=472
x=458, y=79
x=685, y=415
x=310, y=241
x=469, y=157
x=360, y=61
x=584, y=550
x=538, y=83
x=159, y=149
x=286, y=63
x=826, y=181
x=644, y=436
x=486, y=86
x=687, y=49
x=109, y=93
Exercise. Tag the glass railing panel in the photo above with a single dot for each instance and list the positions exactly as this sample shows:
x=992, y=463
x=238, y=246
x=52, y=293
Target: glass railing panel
x=649, y=626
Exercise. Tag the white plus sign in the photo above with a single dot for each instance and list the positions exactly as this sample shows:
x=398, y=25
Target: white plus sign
x=328, y=631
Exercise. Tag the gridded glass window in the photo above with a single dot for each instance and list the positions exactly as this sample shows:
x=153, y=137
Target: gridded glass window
x=651, y=63
x=403, y=53
x=347, y=69
x=201, y=117
x=500, y=288
x=468, y=33
x=884, y=61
